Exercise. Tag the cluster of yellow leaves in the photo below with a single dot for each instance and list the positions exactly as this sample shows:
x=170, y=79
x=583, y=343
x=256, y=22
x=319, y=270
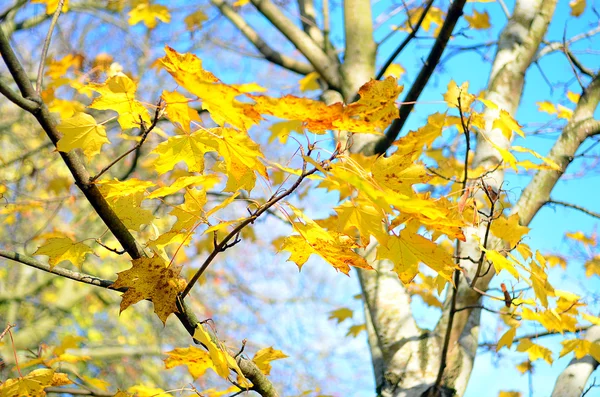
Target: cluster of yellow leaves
x=34, y=383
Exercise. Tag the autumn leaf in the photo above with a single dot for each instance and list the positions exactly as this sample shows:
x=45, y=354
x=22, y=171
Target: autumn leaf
x=148, y=13
x=34, y=383
x=195, y=359
x=592, y=266
x=145, y=391
x=263, y=358
x=355, y=330
x=309, y=82
x=507, y=339
x=282, y=130
x=340, y=314
x=509, y=229
x=582, y=238
x=52, y=5
x=363, y=216
x=503, y=393
x=503, y=120
x=500, y=262
x=206, y=182
x=535, y=351
x=409, y=249
x=178, y=110
x=335, y=248
x=394, y=70
x=194, y=21
x=152, y=279
x=60, y=249
x=454, y=93
x=479, y=20
x=577, y=7
x=81, y=132
x=546, y=107
x=187, y=148
x=118, y=93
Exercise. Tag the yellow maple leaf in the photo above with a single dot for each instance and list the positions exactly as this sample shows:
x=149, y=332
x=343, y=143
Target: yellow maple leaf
x=509, y=229
x=118, y=93
x=340, y=314
x=479, y=20
x=218, y=98
x=33, y=384
x=500, y=262
x=115, y=188
x=409, y=249
x=152, y=279
x=507, y=338
x=535, y=351
x=525, y=366
x=282, y=130
x=263, y=358
x=434, y=16
x=191, y=211
x=81, y=132
x=66, y=108
x=363, y=216
x=582, y=238
x=195, y=359
x=57, y=69
x=149, y=14
x=573, y=97
x=221, y=360
x=503, y=393
x=128, y=207
x=309, y=82
x=455, y=92
x=577, y=7
x=187, y=148
x=546, y=107
x=394, y=70
x=503, y=120
x=178, y=110
x=194, y=21
x=60, y=249
x=551, y=163
x=564, y=112
x=144, y=391
x=356, y=329
x=335, y=248
x=592, y=266
x=204, y=181
x=52, y=5
x=399, y=172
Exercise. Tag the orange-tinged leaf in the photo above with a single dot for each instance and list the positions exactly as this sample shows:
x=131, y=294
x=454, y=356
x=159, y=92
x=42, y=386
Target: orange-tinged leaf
x=33, y=384
x=507, y=338
x=337, y=249
x=577, y=7
x=178, y=110
x=118, y=93
x=535, y=351
x=195, y=359
x=263, y=358
x=149, y=14
x=340, y=314
x=64, y=249
x=309, y=82
x=81, y=132
x=152, y=279
x=509, y=229
x=479, y=20
x=409, y=249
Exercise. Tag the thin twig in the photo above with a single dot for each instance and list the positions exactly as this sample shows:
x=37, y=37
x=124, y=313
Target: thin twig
x=8, y=327
x=40, y=75
x=454, y=13
x=406, y=40
x=235, y=232
x=574, y=206
x=537, y=335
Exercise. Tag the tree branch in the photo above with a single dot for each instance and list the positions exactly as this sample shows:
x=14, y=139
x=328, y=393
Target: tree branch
x=454, y=13
x=574, y=206
x=322, y=63
x=40, y=74
x=252, y=35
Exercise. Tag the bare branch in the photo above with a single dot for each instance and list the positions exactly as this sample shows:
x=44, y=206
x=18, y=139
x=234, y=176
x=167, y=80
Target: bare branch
x=322, y=63
x=574, y=206
x=252, y=35
x=40, y=74
x=454, y=13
